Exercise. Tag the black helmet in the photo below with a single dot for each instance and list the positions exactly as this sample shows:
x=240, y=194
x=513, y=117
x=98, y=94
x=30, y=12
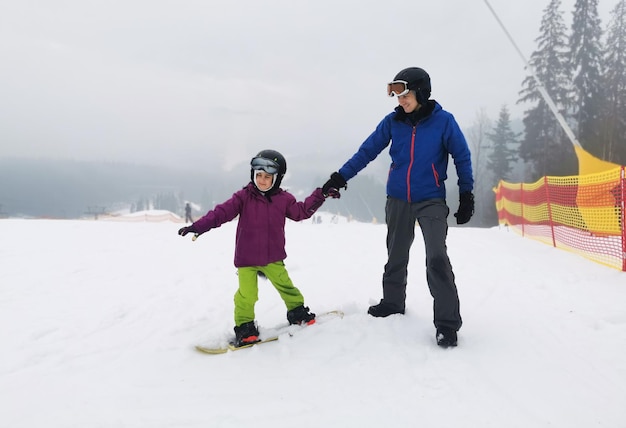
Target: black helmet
x=271, y=162
x=417, y=80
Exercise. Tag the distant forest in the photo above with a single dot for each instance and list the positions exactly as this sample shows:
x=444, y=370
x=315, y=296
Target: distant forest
x=43, y=188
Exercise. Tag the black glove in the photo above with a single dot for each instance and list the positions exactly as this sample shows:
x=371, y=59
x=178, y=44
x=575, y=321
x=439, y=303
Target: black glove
x=466, y=208
x=185, y=230
x=336, y=182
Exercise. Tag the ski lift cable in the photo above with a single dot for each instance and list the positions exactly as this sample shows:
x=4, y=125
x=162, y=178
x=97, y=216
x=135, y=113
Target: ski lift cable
x=540, y=87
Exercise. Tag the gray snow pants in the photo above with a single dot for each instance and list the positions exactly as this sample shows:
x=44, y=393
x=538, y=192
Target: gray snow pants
x=431, y=215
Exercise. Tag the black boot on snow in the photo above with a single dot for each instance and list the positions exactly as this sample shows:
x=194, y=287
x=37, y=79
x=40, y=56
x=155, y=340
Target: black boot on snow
x=383, y=309
x=246, y=333
x=446, y=337
x=300, y=315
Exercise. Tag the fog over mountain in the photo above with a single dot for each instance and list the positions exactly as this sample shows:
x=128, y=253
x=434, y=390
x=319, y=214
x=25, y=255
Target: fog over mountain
x=140, y=102
x=206, y=84
x=74, y=189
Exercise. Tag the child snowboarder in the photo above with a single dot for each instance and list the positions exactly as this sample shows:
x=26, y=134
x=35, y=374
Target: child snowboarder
x=262, y=207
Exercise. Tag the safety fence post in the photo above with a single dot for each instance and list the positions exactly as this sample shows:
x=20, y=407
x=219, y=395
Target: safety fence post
x=623, y=219
x=521, y=198
x=545, y=183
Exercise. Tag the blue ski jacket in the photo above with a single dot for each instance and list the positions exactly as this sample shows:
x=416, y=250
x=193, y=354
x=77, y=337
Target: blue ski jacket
x=419, y=155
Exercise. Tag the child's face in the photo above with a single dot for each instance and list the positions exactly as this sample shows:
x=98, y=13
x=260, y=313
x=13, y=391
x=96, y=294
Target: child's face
x=264, y=180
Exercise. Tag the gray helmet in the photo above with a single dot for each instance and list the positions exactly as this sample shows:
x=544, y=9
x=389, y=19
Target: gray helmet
x=417, y=80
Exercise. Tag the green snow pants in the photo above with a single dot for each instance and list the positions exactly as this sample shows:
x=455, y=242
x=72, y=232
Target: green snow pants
x=248, y=292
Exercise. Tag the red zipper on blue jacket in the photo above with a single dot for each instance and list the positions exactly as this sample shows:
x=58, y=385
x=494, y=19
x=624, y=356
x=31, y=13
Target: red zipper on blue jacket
x=408, y=173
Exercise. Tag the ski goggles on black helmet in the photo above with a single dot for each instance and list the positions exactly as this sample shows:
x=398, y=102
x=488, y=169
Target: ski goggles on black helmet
x=398, y=88
x=264, y=164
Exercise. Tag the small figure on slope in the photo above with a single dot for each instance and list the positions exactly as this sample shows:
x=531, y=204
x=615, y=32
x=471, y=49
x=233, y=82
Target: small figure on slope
x=188, y=218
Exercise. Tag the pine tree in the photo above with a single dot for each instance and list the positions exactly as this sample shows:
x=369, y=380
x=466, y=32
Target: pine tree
x=586, y=63
x=504, y=148
x=545, y=146
x=502, y=155
x=485, y=214
x=613, y=134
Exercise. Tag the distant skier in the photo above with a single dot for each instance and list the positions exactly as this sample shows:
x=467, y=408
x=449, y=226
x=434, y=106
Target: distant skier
x=188, y=218
x=262, y=207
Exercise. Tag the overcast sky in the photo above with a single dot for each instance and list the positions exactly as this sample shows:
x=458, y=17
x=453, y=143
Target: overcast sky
x=209, y=83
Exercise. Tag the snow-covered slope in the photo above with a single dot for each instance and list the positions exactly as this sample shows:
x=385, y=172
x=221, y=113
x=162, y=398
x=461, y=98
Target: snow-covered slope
x=99, y=320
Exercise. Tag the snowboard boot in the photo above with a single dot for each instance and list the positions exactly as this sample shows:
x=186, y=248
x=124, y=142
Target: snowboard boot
x=446, y=337
x=383, y=309
x=300, y=315
x=246, y=333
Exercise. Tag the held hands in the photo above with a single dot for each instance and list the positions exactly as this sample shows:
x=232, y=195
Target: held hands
x=466, y=208
x=332, y=186
x=332, y=193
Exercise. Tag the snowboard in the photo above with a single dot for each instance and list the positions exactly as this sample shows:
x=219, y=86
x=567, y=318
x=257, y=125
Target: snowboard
x=269, y=335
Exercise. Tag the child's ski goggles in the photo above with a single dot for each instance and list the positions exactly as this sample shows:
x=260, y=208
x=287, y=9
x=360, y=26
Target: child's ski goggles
x=397, y=87
x=263, y=164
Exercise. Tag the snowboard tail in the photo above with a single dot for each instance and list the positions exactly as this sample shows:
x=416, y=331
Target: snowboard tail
x=233, y=347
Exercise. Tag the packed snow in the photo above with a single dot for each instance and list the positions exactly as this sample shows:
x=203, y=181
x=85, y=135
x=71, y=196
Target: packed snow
x=99, y=321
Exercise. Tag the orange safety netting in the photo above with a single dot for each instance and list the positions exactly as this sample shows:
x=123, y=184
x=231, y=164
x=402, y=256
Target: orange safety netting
x=583, y=214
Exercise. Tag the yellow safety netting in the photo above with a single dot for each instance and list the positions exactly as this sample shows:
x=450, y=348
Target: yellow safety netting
x=583, y=214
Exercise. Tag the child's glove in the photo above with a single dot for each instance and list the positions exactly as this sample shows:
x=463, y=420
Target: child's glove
x=336, y=182
x=185, y=230
x=332, y=193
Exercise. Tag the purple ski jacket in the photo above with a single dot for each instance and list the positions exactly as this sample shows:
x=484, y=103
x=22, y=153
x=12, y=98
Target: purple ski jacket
x=260, y=236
